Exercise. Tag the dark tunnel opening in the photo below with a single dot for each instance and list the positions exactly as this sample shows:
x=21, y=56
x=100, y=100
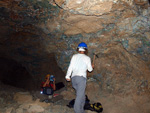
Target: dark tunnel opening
x=14, y=74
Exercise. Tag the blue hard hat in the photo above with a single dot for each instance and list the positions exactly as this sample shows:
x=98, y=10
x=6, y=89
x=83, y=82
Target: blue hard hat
x=82, y=45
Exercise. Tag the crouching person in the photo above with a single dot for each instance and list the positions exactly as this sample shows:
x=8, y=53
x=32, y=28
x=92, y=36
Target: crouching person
x=47, y=89
x=48, y=86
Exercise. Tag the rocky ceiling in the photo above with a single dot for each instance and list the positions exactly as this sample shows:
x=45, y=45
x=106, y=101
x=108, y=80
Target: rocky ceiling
x=94, y=7
x=36, y=32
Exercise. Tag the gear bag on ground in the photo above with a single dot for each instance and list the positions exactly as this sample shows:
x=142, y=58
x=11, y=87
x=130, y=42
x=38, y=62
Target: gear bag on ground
x=97, y=107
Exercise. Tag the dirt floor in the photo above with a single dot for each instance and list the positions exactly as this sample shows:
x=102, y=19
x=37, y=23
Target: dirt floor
x=111, y=103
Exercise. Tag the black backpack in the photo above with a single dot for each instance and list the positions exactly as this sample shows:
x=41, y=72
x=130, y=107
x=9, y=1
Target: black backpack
x=71, y=103
x=97, y=107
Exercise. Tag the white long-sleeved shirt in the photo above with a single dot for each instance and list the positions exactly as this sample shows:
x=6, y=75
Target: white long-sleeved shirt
x=79, y=65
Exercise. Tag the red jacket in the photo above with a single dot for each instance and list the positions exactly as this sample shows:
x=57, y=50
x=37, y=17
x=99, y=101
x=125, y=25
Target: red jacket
x=47, y=85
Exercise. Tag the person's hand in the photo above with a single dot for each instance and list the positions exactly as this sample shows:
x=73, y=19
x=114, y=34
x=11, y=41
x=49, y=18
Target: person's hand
x=68, y=79
x=93, y=66
x=47, y=80
x=54, y=80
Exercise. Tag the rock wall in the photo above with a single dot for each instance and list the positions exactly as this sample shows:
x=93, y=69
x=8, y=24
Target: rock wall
x=121, y=72
x=35, y=31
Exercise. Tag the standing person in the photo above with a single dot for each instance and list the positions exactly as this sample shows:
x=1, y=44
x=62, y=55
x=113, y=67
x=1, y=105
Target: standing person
x=77, y=71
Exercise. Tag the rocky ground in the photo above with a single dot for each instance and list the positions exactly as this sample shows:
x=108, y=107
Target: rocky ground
x=15, y=100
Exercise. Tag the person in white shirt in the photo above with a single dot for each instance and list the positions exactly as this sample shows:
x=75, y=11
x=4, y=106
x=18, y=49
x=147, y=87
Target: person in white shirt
x=77, y=73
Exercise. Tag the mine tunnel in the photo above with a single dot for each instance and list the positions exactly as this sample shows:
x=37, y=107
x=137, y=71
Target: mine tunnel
x=14, y=74
x=39, y=37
